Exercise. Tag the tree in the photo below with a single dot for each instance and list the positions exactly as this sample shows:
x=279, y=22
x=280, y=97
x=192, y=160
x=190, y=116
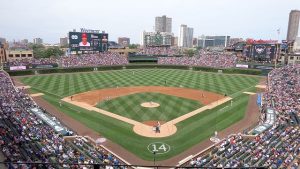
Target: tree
x=189, y=52
x=39, y=51
x=132, y=46
x=53, y=51
x=199, y=48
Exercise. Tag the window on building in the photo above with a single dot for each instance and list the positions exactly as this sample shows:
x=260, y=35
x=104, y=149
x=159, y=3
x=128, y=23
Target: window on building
x=17, y=55
x=29, y=55
x=23, y=55
x=10, y=55
x=292, y=58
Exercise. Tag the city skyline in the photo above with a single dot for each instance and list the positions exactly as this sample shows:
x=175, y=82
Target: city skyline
x=51, y=20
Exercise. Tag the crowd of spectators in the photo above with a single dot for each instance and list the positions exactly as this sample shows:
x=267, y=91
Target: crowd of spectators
x=32, y=61
x=277, y=147
x=85, y=60
x=26, y=138
x=212, y=59
x=104, y=58
x=283, y=92
x=168, y=51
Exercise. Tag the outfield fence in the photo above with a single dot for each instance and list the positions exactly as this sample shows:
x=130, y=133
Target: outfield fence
x=134, y=66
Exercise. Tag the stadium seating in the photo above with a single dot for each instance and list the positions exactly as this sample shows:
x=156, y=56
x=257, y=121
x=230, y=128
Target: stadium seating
x=277, y=147
x=26, y=138
x=106, y=58
x=202, y=59
x=85, y=60
x=167, y=51
x=216, y=60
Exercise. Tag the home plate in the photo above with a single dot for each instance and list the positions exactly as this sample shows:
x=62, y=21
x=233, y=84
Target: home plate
x=250, y=93
x=36, y=94
x=261, y=86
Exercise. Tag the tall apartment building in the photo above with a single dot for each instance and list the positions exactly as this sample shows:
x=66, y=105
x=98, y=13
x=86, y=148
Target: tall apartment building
x=213, y=41
x=63, y=41
x=155, y=39
x=185, y=38
x=293, y=26
x=163, y=24
x=124, y=41
x=37, y=41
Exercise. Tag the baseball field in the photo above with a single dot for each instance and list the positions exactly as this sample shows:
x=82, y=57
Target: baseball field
x=111, y=103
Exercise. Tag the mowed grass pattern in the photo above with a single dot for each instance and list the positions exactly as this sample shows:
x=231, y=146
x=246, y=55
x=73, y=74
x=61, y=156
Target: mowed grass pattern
x=63, y=85
x=129, y=106
x=189, y=132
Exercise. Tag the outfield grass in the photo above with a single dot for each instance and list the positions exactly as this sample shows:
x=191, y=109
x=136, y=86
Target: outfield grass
x=190, y=131
x=64, y=85
x=129, y=106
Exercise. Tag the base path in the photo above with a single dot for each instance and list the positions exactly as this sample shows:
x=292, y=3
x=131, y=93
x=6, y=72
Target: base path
x=88, y=100
x=95, y=96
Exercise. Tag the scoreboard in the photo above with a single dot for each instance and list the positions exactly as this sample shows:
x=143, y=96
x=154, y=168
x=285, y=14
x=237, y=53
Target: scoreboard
x=85, y=41
x=261, y=52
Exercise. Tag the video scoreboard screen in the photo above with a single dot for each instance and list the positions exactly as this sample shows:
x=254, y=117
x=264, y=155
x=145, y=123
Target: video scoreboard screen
x=82, y=41
x=261, y=52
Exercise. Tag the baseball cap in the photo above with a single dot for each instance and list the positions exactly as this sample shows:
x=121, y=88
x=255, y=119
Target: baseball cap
x=84, y=35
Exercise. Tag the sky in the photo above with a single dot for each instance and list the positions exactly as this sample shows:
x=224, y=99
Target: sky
x=52, y=19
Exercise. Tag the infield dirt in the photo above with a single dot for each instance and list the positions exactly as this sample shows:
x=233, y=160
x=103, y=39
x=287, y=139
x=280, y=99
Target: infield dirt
x=95, y=96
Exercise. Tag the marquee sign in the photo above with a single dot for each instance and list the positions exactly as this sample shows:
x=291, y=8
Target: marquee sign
x=84, y=30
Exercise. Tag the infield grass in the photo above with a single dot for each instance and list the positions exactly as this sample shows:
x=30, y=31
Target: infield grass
x=129, y=106
x=190, y=131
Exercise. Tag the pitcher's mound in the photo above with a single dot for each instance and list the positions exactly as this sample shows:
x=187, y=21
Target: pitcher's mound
x=150, y=104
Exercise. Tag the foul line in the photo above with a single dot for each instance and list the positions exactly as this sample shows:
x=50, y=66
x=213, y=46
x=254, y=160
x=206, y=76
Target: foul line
x=197, y=111
x=133, y=122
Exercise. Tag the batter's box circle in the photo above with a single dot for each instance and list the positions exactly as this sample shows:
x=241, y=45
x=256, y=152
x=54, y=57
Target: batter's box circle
x=159, y=147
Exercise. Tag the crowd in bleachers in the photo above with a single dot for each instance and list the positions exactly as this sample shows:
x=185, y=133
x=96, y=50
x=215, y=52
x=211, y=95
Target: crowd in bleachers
x=216, y=60
x=105, y=58
x=278, y=147
x=30, y=62
x=85, y=60
x=284, y=90
x=26, y=138
x=207, y=59
x=169, y=51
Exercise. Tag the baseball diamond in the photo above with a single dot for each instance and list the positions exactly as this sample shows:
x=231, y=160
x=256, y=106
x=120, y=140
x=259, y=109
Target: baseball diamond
x=198, y=127
x=209, y=84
